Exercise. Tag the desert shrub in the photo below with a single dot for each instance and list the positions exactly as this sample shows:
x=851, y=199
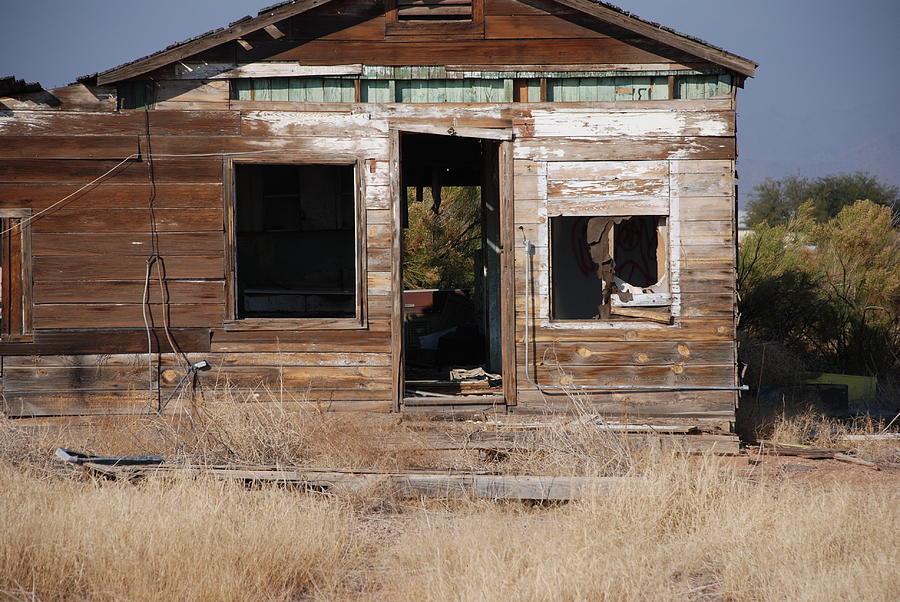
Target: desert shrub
x=828, y=291
x=440, y=248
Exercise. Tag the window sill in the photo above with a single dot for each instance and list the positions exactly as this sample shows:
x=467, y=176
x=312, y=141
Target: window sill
x=296, y=324
x=19, y=338
x=602, y=324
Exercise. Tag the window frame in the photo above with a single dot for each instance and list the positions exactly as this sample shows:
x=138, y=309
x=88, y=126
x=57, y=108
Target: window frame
x=232, y=321
x=473, y=28
x=670, y=296
x=23, y=332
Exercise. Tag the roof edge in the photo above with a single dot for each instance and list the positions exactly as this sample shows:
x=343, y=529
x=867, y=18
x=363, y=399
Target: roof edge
x=289, y=8
x=182, y=50
x=617, y=16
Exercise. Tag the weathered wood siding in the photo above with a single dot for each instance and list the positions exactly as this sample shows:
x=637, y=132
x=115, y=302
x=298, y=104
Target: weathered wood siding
x=89, y=351
x=515, y=33
x=633, y=160
x=90, y=255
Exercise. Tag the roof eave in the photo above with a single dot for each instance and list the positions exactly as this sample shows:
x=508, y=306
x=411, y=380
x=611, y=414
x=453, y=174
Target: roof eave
x=291, y=8
x=666, y=36
x=196, y=45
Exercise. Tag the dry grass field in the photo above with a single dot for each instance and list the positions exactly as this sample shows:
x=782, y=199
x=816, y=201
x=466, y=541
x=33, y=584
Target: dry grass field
x=686, y=528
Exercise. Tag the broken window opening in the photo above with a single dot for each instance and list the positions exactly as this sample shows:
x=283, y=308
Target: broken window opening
x=295, y=241
x=609, y=268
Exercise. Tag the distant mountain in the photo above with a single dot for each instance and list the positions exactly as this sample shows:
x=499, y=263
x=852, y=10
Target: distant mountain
x=878, y=156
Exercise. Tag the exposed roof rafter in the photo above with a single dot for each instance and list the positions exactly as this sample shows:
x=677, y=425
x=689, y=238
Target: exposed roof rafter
x=183, y=50
x=268, y=17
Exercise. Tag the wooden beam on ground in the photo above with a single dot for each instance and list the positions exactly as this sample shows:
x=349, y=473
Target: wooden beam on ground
x=724, y=445
x=800, y=451
x=405, y=485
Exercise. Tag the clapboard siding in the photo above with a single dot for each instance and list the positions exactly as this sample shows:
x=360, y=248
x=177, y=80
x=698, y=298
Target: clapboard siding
x=88, y=354
x=697, y=196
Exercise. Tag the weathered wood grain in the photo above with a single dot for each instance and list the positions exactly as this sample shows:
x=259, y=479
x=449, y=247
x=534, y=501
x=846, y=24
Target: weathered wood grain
x=112, y=195
x=128, y=123
x=108, y=341
x=335, y=341
x=121, y=291
x=625, y=149
x=119, y=244
x=308, y=123
x=486, y=52
x=81, y=315
x=669, y=404
x=195, y=169
x=556, y=124
x=594, y=353
x=81, y=220
x=94, y=268
x=685, y=329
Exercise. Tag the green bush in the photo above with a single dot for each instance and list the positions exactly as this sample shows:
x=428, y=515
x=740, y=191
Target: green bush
x=829, y=291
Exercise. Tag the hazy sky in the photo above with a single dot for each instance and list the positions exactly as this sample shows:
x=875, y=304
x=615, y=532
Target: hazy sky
x=826, y=97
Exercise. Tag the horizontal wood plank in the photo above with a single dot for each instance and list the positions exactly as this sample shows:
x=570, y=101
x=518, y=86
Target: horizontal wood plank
x=554, y=124
x=128, y=244
x=120, y=291
x=625, y=149
x=80, y=220
x=77, y=316
x=94, y=268
x=593, y=353
x=109, y=341
x=112, y=195
x=201, y=170
x=128, y=123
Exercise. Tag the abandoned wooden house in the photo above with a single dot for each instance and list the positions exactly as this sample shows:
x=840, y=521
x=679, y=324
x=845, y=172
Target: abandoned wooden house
x=406, y=205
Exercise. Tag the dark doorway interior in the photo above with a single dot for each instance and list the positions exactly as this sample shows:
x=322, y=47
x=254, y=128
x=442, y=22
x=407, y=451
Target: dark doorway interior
x=451, y=267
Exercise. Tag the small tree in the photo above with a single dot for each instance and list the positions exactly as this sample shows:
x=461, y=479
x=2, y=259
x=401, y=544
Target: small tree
x=440, y=248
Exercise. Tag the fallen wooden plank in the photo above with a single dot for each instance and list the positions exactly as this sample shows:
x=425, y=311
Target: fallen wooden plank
x=534, y=440
x=871, y=437
x=854, y=460
x=804, y=451
x=404, y=485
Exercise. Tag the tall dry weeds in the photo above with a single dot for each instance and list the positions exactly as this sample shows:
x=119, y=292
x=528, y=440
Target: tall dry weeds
x=682, y=531
x=684, y=528
x=181, y=540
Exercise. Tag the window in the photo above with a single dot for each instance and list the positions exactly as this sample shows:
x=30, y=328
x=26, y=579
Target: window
x=296, y=244
x=596, y=89
x=137, y=94
x=610, y=268
x=15, y=275
x=434, y=84
x=443, y=17
x=294, y=89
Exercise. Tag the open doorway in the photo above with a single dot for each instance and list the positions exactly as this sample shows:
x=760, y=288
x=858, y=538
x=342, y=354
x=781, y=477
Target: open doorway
x=451, y=269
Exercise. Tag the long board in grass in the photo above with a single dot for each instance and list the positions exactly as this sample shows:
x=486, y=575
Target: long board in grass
x=409, y=485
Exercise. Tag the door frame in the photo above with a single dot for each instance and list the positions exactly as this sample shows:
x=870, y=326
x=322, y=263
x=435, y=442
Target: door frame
x=507, y=253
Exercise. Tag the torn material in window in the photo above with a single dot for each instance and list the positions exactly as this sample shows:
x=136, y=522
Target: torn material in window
x=610, y=267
